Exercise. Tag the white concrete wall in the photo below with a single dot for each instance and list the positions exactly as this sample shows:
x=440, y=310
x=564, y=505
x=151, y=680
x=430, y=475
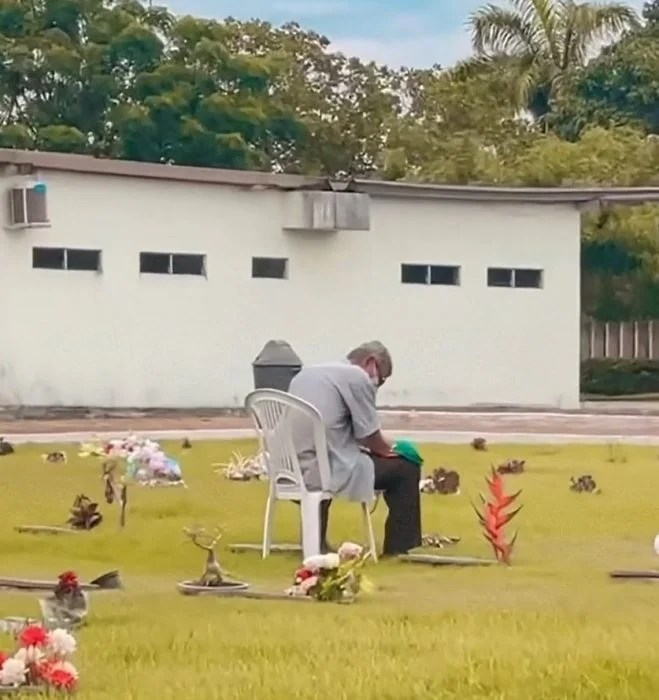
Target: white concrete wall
x=120, y=339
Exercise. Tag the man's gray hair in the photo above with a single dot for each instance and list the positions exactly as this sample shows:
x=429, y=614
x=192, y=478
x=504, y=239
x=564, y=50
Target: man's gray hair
x=376, y=349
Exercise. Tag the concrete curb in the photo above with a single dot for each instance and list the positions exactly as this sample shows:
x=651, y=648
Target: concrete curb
x=421, y=436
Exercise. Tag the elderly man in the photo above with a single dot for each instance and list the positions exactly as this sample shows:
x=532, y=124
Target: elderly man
x=361, y=459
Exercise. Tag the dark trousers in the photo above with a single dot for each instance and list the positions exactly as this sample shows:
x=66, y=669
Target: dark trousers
x=399, y=480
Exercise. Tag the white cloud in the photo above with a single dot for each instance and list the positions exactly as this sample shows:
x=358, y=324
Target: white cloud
x=307, y=8
x=413, y=45
x=418, y=51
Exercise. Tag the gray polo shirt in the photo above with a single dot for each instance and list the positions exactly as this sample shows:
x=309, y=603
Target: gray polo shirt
x=345, y=398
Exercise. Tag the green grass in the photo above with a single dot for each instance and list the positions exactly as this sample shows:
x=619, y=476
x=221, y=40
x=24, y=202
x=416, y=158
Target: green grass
x=551, y=626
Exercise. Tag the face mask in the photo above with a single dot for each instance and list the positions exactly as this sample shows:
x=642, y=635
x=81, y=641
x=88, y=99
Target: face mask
x=376, y=381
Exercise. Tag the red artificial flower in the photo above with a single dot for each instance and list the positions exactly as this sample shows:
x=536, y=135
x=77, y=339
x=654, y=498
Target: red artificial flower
x=33, y=636
x=68, y=579
x=3, y=658
x=45, y=668
x=303, y=574
x=61, y=679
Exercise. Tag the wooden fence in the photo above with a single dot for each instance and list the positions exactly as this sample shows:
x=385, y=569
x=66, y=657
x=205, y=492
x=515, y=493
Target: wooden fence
x=631, y=340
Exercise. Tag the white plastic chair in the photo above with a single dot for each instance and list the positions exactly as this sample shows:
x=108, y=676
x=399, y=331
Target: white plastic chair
x=273, y=412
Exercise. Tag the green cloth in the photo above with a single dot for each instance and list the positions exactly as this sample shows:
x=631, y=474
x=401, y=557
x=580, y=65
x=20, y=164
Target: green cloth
x=407, y=450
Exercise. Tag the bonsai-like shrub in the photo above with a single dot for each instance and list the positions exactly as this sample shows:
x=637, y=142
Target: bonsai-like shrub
x=84, y=514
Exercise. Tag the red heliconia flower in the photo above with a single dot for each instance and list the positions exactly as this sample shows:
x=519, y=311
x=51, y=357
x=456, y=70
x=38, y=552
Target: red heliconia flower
x=494, y=519
x=33, y=636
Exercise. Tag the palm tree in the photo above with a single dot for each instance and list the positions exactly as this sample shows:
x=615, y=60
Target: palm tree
x=543, y=42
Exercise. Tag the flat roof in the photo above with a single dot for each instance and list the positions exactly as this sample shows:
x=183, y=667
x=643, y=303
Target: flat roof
x=67, y=162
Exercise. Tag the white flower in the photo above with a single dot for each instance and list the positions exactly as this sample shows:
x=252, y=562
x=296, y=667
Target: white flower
x=350, y=550
x=314, y=563
x=28, y=655
x=322, y=561
x=332, y=561
x=61, y=643
x=13, y=672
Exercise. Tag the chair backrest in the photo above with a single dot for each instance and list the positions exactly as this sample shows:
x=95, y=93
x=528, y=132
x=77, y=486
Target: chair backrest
x=275, y=413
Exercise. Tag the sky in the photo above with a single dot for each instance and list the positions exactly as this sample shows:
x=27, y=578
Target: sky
x=415, y=33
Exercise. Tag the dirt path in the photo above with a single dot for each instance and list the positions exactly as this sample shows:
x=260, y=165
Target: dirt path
x=567, y=424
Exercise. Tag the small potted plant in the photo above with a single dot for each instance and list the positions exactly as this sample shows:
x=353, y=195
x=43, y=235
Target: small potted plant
x=213, y=579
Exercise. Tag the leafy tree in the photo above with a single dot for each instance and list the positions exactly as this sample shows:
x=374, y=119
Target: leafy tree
x=621, y=85
x=455, y=129
x=114, y=77
x=542, y=42
x=346, y=106
x=651, y=12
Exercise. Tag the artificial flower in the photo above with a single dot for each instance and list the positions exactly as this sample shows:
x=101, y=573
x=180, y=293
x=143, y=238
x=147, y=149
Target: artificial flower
x=308, y=584
x=332, y=561
x=68, y=577
x=33, y=636
x=13, y=672
x=350, y=550
x=67, y=667
x=61, y=643
x=314, y=563
x=303, y=574
x=61, y=675
x=61, y=680
x=29, y=655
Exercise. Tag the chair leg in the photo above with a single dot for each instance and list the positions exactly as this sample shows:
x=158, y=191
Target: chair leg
x=368, y=526
x=310, y=512
x=268, y=526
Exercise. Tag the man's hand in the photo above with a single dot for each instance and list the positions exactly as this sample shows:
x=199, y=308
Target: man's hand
x=378, y=446
x=387, y=455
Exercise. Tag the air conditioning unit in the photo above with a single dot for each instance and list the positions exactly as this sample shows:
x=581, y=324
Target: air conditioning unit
x=308, y=210
x=27, y=206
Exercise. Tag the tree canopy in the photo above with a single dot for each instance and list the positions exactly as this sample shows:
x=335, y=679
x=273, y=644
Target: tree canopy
x=558, y=92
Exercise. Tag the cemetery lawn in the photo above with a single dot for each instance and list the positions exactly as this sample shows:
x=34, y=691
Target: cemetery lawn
x=551, y=626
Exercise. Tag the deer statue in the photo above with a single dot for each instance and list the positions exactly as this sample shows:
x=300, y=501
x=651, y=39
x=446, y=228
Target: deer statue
x=201, y=538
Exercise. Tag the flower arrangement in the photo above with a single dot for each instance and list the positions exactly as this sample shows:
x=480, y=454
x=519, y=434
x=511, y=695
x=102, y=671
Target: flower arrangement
x=57, y=457
x=241, y=468
x=69, y=604
x=441, y=481
x=512, y=466
x=494, y=517
x=584, y=484
x=146, y=462
x=334, y=577
x=41, y=661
